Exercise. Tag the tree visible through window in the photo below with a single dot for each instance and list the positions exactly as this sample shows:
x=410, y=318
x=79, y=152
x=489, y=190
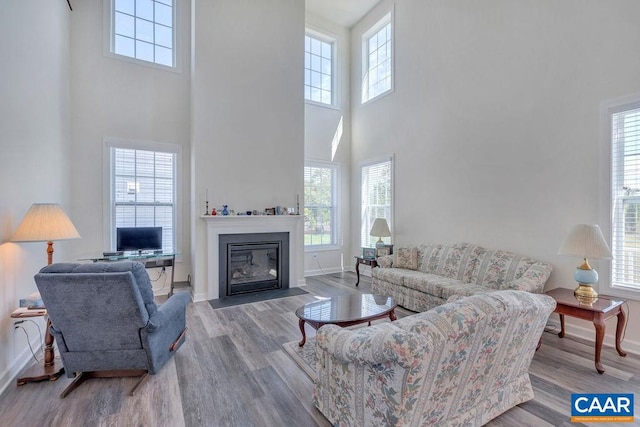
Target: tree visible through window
x=319, y=205
x=143, y=192
x=143, y=29
x=376, y=196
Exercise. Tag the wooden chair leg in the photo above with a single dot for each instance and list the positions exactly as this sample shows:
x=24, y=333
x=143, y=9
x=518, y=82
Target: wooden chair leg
x=139, y=384
x=82, y=377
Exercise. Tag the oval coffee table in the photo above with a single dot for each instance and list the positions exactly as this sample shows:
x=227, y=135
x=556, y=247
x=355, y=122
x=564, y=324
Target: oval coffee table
x=345, y=311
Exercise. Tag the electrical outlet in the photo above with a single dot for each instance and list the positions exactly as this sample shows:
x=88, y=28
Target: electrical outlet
x=315, y=256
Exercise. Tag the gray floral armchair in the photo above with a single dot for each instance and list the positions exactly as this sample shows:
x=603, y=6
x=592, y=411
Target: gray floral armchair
x=462, y=363
x=105, y=321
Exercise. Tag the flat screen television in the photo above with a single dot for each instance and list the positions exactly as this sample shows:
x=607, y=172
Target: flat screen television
x=139, y=238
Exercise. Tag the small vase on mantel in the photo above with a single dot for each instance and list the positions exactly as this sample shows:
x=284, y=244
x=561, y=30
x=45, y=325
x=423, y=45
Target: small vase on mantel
x=225, y=211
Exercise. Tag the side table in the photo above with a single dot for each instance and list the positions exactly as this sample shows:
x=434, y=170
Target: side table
x=48, y=370
x=601, y=309
x=366, y=261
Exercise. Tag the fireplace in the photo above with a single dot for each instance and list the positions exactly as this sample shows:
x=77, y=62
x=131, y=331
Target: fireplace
x=253, y=262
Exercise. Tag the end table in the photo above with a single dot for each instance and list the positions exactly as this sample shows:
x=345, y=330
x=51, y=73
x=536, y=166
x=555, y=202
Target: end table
x=366, y=261
x=49, y=370
x=597, y=312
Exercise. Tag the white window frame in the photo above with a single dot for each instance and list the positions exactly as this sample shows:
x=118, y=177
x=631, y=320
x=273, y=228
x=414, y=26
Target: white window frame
x=609, y=219
x=365, y=225
x=387, y=19
x=109, y=229
x=335, y=222
x=109, y=39
x=334, y=69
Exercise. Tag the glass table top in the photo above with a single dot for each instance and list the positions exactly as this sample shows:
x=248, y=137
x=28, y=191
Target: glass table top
x=346, y=308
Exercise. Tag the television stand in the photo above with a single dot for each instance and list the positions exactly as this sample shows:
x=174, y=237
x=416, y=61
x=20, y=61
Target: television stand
x=149, y=260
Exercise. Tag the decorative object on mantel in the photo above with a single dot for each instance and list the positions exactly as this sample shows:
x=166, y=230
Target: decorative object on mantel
x=297, y=204
x=380, y=228
x=270, y=211
x=585, y=241
x=206, y=201
x=225, y=211
x=213, y=211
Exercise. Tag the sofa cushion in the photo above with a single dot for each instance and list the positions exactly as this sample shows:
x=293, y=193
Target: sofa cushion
x=392, y=275
x=456, y=261
x=499, y=267
x=429, y=283
x=406, y=258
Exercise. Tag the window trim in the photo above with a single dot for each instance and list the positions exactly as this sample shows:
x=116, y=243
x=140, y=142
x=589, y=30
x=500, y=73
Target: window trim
x=333, y=41
x=107, y=38
x=607, y=109
x=108, y=229
x=388, y=18
x=335, y=167
x=369, y=162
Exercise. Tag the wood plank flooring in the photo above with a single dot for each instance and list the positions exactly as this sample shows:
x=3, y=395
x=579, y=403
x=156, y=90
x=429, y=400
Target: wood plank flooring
x=232, y=371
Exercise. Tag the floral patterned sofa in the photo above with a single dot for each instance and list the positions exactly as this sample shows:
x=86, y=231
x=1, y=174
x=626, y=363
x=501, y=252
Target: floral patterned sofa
x=462, y=363
x=422, y=277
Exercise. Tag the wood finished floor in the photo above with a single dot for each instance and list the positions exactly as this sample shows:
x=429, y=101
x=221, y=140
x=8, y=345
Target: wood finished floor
x=232, y=371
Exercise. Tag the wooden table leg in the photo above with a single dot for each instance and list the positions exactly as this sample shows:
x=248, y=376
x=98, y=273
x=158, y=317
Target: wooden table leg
x=619, y=326
x=358, y=272
x=600, y=330
x=48, y=370
x=392, y=315
x=561, y=334
x=304, y=335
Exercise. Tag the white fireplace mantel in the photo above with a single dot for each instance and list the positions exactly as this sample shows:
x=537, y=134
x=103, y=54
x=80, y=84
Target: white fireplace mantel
x=240, y=224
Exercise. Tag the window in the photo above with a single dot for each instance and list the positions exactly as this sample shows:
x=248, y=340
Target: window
x=377, y=60
x=144, y=30
x=143, y=192
x=318, y=68
x=320, y=195
x=625, y=197
x=376, y=194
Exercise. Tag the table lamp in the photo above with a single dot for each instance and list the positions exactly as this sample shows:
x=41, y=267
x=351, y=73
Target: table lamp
x=585, y=241
x=380, y=228
x=45, y=222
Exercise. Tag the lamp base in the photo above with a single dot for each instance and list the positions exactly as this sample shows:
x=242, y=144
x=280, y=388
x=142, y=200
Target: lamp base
x=585, y=292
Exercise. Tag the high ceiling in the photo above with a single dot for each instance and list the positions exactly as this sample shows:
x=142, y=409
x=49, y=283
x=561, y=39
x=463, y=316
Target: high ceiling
x=342, y=12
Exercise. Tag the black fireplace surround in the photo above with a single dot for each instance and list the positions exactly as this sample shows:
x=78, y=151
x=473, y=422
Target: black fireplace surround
x=253, y=262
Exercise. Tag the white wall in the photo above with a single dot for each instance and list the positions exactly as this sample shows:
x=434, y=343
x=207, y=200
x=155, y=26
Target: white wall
x=247, y=110
x=320, y=127
x=122, y=99
x=494, y=120
x=34, y=142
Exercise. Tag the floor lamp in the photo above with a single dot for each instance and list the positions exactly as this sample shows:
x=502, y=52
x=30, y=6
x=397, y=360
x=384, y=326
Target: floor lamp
x=45, y=222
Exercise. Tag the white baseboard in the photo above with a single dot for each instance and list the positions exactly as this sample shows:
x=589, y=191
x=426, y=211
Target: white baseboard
x=589, y=334
x=320, y=272
x=9, y=375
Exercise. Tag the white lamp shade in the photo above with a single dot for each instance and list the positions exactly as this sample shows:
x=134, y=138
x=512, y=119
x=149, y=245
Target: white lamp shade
x=380, y=228
x=45, y=222
x=585, y=241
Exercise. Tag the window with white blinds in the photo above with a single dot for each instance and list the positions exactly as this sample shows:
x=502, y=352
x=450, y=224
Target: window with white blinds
x=376, y=195
x=143, y=192
x=625, y=198
x=377, y=59
x=320, y=224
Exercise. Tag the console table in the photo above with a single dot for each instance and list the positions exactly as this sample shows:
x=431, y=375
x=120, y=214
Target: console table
x=149, y=260
x=597, y=312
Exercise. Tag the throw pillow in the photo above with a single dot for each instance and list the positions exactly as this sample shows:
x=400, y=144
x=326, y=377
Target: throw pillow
x=406, y=258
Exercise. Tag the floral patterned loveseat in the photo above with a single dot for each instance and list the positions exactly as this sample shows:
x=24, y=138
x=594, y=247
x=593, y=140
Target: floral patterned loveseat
x=422, y=277
x=462, y=363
